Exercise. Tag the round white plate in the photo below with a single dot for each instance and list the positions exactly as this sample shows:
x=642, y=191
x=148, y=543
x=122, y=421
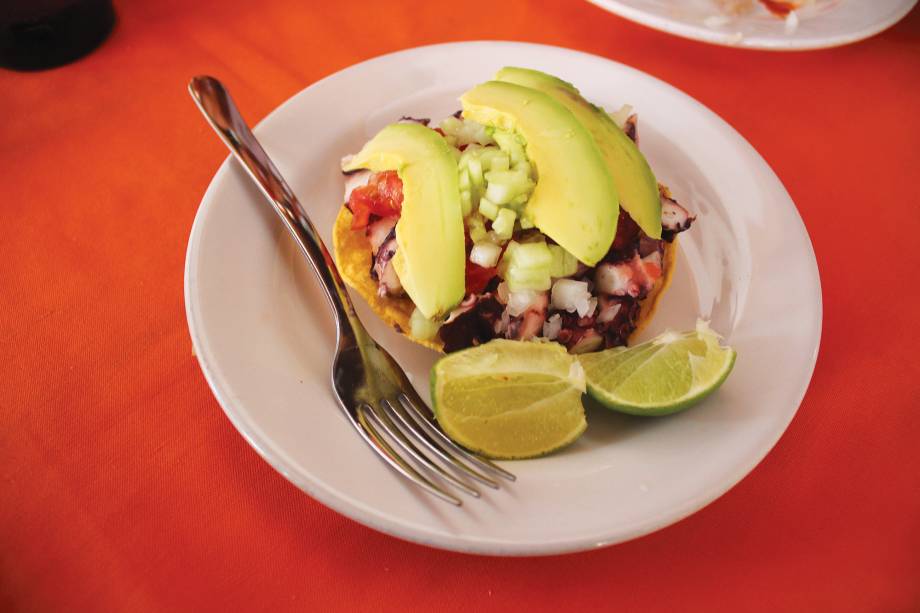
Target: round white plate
x=264, y=335
x=823, y=23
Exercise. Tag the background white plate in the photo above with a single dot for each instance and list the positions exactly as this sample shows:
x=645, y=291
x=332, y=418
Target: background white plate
x=264, y=335
x=826, y=23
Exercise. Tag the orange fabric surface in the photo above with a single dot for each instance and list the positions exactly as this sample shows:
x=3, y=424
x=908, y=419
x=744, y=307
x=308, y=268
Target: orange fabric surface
x=124, y=487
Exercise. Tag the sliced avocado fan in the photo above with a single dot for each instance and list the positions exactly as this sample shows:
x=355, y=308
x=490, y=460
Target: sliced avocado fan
x=431, y=253
x=635, y=182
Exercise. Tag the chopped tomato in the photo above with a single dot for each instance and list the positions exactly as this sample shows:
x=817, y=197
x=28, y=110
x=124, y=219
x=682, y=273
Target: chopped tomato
x=653, y=270
x=382, y=196
x=477, y=277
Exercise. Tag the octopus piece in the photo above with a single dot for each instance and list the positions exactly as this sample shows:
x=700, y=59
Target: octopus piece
x=383, y=271
x=472, y=323
x=631, y=128
x=674, y=218
x=617, y=331
x=607, y=309
x=627, y=240
x=634, y=277
x=419, y=120
x=530, y=323
x=380, y=231
x=467, y=305
x=355, y=179
x=648, y=245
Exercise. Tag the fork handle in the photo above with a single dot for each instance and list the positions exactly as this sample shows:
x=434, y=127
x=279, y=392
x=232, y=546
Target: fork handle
x=215, y=103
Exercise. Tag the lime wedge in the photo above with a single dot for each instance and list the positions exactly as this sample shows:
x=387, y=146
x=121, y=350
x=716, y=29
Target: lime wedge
x=664, y=375
x=510, y=399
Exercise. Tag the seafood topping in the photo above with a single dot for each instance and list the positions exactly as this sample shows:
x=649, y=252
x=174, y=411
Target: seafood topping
x=530, y=322
x=632, y=128
x=630, y=278
x=674, y=218
x=379, y=231
x=381, y=197
x=382, y=269
x=472, y=323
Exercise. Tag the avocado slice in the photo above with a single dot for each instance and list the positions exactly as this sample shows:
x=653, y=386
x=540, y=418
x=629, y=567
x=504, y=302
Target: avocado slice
x=631, y=173
x=430, y=255
x=575, y=200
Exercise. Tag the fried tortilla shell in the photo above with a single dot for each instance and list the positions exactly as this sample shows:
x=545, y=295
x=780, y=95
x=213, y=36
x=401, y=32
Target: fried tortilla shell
x=353, y=257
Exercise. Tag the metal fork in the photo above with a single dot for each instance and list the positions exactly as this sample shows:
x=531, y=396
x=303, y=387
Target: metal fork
x=371, y=387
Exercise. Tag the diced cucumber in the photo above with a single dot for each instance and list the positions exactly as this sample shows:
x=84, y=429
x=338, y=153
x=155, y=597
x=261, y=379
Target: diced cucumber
x=527, y=266
x=504, y=186
x=487, y=154
x=488, y=208
x=466, y=131
x=466, y=203
x=477, y=227
x=564, y=263
x=571, y=264
x=504, y=223
x=520, y=200
x=474, y=168
x=464, y=180
x=511, y=144
x=422, y=328
x=451, y=125
x=524, y=167
x=523, y=278
x=500, y=162
x=526, y=224
x=534, y=255
x=507, y=177
x=500, y=193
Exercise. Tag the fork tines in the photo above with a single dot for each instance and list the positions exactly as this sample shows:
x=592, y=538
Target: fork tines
x=401, y=422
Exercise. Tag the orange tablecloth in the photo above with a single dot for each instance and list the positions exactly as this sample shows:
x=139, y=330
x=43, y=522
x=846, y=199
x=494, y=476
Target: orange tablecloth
x=124, y=487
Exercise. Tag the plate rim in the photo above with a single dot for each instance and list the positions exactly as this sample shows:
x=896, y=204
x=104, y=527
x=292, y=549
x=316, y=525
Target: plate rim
x=700, y=33
x=382, y=522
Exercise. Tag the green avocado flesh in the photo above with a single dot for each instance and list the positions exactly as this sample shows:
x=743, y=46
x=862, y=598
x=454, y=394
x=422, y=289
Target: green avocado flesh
x=635, y=182
x=430, y=258
x=575, y=199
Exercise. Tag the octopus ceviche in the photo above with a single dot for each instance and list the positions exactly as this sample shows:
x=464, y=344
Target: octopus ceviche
x=529, y=214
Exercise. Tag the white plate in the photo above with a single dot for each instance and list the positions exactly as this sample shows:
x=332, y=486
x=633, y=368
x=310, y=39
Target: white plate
x=264, y=335
x=824, y=23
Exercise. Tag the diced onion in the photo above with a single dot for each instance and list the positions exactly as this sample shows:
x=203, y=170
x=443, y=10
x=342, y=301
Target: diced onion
x=573, y=296
x=612, y=279
x=485, y=254
x=608, y=313
x=552, y=326
x=519, y=301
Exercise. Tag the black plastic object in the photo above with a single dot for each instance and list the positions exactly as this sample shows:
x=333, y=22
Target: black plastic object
x=39, y=34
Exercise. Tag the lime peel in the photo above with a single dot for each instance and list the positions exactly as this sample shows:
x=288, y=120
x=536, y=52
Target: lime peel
x=510, y=399
x=662, y=376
